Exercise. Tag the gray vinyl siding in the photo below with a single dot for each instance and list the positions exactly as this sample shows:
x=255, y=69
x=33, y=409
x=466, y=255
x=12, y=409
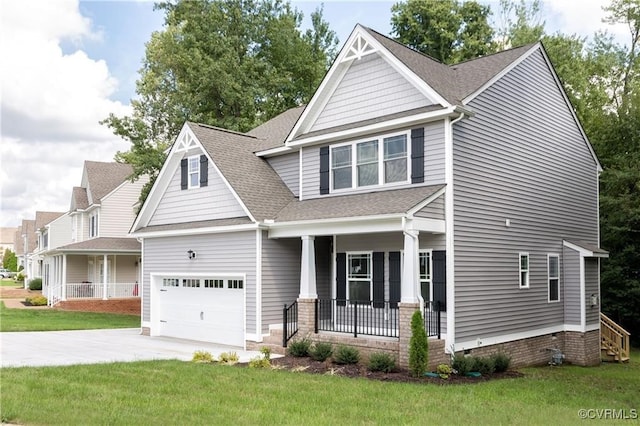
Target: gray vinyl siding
x=433, y=210
x=280, y=277
x=571, y=281
x=125, y=269
x=310, y=172
x=288, y=168
x=77, y=269
x=522, y=158
x=216, y=253
x=117, y=211
x=370, y=88
x=591, y=279
x=434, y=153
x=214, y=201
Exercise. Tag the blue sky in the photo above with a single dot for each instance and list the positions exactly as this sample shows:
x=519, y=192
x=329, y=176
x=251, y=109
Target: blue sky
x=67, y=64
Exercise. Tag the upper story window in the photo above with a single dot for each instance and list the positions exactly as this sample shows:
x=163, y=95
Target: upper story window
x=93, y=225
x=45, y=240
x=524, y=270
x=194, y=172
x=378, y=161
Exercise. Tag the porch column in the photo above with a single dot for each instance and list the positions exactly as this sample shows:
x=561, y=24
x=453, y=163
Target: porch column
x=64, y=277
x=409, y=288
x=308, y=268
x=105, y=269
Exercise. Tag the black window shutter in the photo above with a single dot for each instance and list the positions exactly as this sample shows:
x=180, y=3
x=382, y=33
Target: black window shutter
x=184, y=175
x=204, y=170
x=395, y=278
x=378, y=279
x=324, y=170
x=341, y=278
x=439, y=259
x=417, y=155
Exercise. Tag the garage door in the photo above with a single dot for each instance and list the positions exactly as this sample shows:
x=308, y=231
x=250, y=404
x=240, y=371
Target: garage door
x=209, y=310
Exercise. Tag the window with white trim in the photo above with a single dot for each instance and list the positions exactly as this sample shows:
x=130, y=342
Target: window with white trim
x=426, y=282
x=553, y=277
x=194, y=171
x=524, y=270
x=93, y=225
x=359, y=277
x=379, y=161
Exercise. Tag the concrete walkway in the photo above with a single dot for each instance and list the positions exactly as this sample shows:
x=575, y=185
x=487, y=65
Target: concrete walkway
x=54, y=348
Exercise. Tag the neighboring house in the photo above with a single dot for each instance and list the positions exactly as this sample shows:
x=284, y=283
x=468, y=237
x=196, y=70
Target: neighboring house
x=42, y=240
x=18, y=246
x=90, y=254
x=467, y=191
x=27, y=245
x=7, y=241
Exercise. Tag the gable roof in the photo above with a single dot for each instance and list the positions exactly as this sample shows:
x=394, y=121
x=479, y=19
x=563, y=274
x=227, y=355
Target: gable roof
x=79, y=199
x=274, y=132
x=44, y=218
x=28, y=228
x=104, y=177
x=104, y=244
x=259, y=187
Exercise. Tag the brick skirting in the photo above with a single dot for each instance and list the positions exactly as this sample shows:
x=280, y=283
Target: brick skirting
x=130, y=306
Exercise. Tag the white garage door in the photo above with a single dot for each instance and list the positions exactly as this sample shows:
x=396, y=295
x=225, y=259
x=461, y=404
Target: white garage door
x=209, y=310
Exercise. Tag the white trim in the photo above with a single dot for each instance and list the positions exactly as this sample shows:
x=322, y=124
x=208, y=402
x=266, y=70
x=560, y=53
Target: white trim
x=334, y=267
x=583, y=251
x=420, y=280
x=195, y=158
x=196, y=231
x=590, y=327
x=300, y=175
x=273, y=152
x=549, y=278
x=520, y=270
x=258, y=310
x=583, y=296
x=449, y=234
x=369, y=254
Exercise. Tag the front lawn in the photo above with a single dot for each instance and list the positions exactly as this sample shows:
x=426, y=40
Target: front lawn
x=10, y=282
x=51, y=320
x=174, y=392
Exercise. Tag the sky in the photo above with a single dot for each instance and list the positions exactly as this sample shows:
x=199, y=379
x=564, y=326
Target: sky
x=67, y=64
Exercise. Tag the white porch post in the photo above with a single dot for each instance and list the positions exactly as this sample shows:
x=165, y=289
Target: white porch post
x=64, y=277
x=105, y=268
x=308, y=268
x=409, y=288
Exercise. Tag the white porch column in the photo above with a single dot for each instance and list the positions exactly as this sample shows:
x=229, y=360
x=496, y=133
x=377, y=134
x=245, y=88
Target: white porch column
x=105, y=269
x=64, y=277
x=409, y=288
x=308, y=268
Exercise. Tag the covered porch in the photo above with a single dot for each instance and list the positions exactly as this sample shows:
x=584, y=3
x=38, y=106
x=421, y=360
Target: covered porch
x=102, y=268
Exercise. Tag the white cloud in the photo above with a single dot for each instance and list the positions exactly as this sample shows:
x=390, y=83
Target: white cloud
x=52, y=103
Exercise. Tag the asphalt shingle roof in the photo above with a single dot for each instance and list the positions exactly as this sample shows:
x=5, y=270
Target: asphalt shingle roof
x=197, y=225
x=44, y=218
x=80, y=200
x=274, y=132
x=104, y=244
x=105, y=177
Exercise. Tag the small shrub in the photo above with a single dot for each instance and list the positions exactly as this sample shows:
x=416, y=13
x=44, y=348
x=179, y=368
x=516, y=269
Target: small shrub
x=19, y=276
x=501, y=361
x=266, y=353
x=299, y=348
x=462, y=364
x=35, y=284
x=259, y=362
x=346, y=355
x=418, y=346
x=321, y=351
x=444, y=371
x=202, y=356
x=228, y=358
x=382, y=361
x=484, y=365
x=36, y=300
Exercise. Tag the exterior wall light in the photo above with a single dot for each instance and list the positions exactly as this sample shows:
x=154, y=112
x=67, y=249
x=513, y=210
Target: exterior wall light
x=191, y=254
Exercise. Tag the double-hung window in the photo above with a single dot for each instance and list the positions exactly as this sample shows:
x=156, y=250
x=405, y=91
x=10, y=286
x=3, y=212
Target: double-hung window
x=93, y=225
x=426, y=282
x=553, y=276
x=524, y=270
x=379, y=161
x=194, y=171
x=359, y=277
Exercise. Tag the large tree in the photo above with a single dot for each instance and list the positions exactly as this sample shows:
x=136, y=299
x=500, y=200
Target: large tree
x=227, y=63
x=9, y=260
x=447, y=30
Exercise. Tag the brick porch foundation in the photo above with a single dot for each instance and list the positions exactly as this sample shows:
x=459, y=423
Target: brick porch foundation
x=129, y=306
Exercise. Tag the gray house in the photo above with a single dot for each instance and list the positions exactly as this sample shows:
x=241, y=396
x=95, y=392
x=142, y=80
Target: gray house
x=467, y=191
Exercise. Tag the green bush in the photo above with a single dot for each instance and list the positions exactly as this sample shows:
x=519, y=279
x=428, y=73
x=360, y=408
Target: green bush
x=484, y=365
x=299, y=348
x=501, y=361
x=321, y=351
x=19, y=276
x=382, y=361
x=346, y=355
x=418, y=346
x=228, y=358
x=444, y=371
x=36, y=300
x=462, y=364
x=202, y=356
x=261, y=362
x=35, y=284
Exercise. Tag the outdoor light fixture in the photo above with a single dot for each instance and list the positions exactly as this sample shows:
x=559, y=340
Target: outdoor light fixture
x=192, y=254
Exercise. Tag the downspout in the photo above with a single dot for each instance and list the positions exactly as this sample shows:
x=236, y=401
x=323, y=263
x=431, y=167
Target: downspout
x=449, y=232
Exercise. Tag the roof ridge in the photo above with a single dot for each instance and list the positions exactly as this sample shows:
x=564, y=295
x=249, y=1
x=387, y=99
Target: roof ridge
x=453, y=66
x=405, y=46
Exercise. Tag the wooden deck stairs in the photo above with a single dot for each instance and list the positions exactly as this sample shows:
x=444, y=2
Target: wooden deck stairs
x=614, y=341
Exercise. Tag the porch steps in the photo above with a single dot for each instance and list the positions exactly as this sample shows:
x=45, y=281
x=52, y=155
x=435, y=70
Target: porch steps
x=614, y=341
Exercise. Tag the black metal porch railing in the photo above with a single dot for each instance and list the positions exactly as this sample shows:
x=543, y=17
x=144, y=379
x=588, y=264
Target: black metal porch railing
x=348, y=316
x=433, y=318
x=289, y=322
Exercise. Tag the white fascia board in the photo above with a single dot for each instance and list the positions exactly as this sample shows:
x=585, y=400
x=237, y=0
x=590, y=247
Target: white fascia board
x=427, y=201
x=376, y=127
x=422, y=224
x=267, y=153
x=195, y=231
x=341, y=226
x=583, y=251
x=480, y=341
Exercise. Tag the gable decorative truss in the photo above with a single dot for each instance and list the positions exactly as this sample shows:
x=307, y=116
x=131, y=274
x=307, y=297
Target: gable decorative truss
x=185, y=142
x=360, y=43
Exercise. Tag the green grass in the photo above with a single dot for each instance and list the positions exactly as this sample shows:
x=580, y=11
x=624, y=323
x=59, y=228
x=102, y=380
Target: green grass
x=50, y=320
x=174, y=392
x=10, y=282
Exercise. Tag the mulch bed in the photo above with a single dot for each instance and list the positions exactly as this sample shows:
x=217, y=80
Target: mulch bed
x=308, y=365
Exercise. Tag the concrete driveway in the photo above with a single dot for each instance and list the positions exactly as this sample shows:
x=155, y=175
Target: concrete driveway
x=51, y=348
